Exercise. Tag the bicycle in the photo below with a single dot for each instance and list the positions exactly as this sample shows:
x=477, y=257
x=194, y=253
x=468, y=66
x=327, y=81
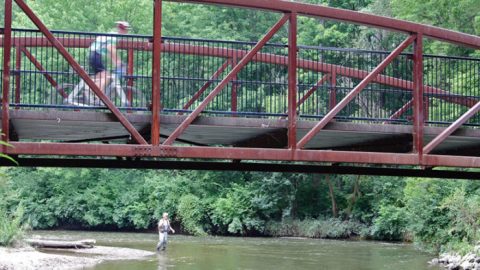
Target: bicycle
x=83, y=96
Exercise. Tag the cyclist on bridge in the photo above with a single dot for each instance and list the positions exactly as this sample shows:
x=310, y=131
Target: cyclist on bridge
x=102, y=49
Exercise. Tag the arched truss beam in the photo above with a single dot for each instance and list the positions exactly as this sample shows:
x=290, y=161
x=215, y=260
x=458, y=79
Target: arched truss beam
x=259, y=57
x=352, y=17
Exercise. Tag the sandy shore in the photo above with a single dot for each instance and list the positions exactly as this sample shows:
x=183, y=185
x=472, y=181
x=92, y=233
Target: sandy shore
x=29, y=258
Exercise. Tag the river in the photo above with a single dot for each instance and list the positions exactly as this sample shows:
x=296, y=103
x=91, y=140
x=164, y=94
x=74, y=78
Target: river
x=202, y=253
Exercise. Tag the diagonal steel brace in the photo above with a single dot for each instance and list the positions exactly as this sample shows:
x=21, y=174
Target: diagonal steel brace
x=371, y=76
x=81, y=72
x=245, y=60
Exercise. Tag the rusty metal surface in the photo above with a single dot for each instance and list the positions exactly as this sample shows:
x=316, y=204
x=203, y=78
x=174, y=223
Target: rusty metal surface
x=6, y=70
x=292, y=81
x=233, y=153
x=240, y=166
x=284, y=131
x=454, y=126
x=402, y=110
x=39, y=67
x=259, y=57
x=243, y=62
x=204, y=87
x=97, y=126
x=334, y=111
x=352, y=17
x=81, y=72
x=418, y=117
x=156, y=65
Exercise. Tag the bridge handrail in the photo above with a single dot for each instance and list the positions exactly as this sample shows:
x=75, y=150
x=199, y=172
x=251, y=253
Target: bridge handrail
x=356, y=17
x=279, y=45
x=218, y=49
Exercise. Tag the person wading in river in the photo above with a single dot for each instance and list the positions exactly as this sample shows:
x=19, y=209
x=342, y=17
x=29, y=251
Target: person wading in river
x=163, y=229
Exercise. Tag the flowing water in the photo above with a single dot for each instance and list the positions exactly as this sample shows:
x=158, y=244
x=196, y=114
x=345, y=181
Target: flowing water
x=202, y=253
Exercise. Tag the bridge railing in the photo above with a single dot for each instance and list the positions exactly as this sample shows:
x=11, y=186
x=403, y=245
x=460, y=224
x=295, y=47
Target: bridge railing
x=451, y=76
x=191, y=68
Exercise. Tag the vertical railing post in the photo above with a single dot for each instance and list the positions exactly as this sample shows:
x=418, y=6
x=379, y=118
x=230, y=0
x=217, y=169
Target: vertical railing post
x=333, y=90
x=130, y=60
x=426, y=109
x=156, y=65
x=292, y=81
x=234, y=97
x=18, y=66
x=418, y=112
x=7, y=44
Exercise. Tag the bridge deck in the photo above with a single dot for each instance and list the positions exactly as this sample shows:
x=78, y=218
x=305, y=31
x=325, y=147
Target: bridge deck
x=69, y=126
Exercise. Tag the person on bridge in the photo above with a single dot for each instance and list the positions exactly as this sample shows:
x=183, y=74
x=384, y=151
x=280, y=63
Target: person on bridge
x=102, y=49
x=163, y=229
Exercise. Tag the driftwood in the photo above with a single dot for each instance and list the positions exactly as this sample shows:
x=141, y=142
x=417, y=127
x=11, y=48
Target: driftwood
x=87, y=243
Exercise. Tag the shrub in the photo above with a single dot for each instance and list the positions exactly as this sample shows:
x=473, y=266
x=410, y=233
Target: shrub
x=11, y=227
x=191, y=213
x=332, y=228
x=235, y=213
x=391, y=224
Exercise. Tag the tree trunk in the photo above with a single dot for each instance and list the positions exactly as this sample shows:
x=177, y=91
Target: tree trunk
x=332, y=196
x=87, y=243
x=355, y=195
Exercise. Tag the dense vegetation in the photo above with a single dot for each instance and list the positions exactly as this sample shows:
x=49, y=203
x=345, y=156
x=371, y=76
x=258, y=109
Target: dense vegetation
x=436, y=214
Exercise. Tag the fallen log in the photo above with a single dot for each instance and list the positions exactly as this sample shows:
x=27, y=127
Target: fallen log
x=40, y=243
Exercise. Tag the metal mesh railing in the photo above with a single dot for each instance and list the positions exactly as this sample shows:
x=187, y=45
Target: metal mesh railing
x=192, y=68
x=346, y=68
x=455, y=86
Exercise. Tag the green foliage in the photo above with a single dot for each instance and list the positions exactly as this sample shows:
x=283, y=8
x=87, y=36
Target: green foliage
x=191, y=213
x=461, y=15
x=438, y=215
x=316, y=228
x=12, y=226
x=391, y=224
x=235, y=212
x=464, y=212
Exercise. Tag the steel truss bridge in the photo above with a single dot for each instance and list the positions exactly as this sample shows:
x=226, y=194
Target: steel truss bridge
x=233, y=105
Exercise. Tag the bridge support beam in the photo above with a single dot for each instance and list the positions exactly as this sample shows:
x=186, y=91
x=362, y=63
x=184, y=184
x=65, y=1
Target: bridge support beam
x=156, y=72
x=418, y=118
x=7, y=45
x=400, y=111
x=204, y=87
x=80, y=71
x=313, y=89
x=230, y=153
x=369, y=78
x=245, y=60
x=452, y=128
x=292, y=82
x=39, y=67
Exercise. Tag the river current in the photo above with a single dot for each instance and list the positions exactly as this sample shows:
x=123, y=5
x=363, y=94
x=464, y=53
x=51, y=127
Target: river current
x=210, y=253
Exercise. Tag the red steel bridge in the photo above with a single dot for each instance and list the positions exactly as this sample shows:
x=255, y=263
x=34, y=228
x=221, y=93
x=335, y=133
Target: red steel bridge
x=233, y=105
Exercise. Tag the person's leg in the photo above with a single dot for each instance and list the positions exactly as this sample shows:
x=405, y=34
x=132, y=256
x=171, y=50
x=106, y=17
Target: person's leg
x=102, y=79
x=101, y=74
x=162, y=241
x=165, y=240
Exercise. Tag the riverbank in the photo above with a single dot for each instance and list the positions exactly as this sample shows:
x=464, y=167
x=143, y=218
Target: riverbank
x=469, y=261
x=30, y=258
x=266, y=253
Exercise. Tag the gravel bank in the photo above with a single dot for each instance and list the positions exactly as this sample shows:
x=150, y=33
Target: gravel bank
x=29, y=258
